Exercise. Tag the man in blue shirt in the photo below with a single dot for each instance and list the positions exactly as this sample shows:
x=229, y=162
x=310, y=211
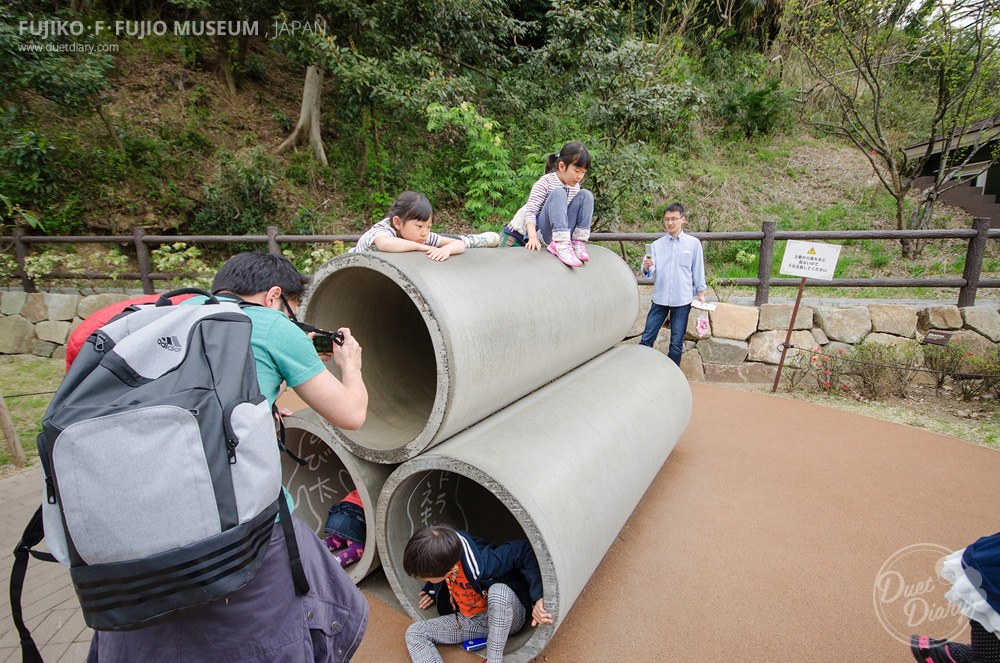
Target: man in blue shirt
x=678, y=269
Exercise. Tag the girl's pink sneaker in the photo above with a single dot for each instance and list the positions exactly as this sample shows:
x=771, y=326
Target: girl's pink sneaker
x=580, y=249
x=564, y=252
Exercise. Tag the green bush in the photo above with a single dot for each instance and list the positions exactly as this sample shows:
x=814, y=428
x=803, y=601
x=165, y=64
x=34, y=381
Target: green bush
x=758, y=111
x=29, y=159
x=868, y=372
x=239, y=201
x=944, y=360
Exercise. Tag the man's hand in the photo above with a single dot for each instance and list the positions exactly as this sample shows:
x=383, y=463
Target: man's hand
x=425, y=601
x=701, y=296
x=348, y=355
x=539, y=615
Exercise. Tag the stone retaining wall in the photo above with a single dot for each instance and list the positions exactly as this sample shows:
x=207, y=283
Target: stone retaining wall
x=741, y=342
x=39, y=323
x=740, y=345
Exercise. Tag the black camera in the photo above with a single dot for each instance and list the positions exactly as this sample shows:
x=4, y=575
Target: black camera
x=323, y=341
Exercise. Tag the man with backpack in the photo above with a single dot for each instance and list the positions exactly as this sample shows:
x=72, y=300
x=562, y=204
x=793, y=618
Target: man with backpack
x=267, y=620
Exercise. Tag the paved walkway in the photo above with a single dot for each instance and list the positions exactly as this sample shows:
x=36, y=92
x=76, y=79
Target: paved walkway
x=760, y=540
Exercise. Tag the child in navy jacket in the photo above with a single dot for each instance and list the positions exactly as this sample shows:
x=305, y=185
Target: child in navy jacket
x=481, y=590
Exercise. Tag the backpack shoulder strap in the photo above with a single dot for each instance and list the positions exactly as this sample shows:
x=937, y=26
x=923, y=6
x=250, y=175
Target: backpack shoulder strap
x=33, y=534
x=298, y=573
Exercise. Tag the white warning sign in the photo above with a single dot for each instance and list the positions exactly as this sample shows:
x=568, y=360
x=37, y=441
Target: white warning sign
x=811, y=260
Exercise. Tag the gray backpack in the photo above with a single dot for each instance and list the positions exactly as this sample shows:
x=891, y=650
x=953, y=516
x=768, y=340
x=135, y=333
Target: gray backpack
x=161, y=466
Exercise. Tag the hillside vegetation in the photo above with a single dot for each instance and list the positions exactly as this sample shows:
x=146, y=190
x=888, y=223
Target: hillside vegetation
x=714, y=105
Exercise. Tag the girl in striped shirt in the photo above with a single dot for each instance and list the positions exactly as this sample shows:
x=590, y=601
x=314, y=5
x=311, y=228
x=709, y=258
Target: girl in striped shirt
x=558, y=210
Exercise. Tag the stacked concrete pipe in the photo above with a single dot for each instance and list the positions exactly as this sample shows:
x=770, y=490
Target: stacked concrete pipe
x=330, y=473
x=447, y=344
x=563, y=468
x=573, y=441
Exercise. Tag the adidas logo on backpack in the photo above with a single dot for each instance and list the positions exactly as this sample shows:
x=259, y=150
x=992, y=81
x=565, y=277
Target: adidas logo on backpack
x=161, y=470
x=169, y=343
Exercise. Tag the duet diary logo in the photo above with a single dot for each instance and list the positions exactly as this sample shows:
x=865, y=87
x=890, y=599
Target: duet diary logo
x=909, y=595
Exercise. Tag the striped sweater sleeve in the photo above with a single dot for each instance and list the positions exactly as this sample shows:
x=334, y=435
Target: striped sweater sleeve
x=539, y=192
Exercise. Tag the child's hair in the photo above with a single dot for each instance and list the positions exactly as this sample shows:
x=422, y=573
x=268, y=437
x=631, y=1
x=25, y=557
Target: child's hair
x=411, y=205
x=431, y=552
x=571, y=154
x=674, y=207
x=251, y=273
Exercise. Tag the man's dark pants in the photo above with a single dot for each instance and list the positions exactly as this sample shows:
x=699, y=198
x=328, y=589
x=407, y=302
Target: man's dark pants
x=678, y=316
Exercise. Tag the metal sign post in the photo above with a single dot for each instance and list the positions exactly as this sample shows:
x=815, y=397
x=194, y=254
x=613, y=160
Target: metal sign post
x=808, y=260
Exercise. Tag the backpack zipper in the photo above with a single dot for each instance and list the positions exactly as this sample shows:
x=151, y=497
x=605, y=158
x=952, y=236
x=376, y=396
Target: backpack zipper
x=231, y=444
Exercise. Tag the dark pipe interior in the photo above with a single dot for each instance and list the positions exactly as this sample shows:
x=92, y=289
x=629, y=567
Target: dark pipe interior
x=399, y=364
x=448, y=498
x=319, y=484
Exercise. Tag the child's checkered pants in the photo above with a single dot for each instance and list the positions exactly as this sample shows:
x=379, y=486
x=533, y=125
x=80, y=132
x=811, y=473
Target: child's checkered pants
x=504, y=616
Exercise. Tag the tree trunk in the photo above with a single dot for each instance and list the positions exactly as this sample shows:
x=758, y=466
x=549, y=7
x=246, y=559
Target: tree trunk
x=243, y=42
x=225, y=64
x=112, y=129
x=307, y=129
x=378, y=154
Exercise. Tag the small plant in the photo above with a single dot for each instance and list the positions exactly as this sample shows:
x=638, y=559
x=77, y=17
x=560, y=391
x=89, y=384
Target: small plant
x=310, y=260
x=908, y=357
x=239, y=201
x=491, y=182
x=796, y=369
x=200, y=98
x=873, y=369
x=31, y=170
x=945, y=360
x=10, y=211
x=978, y=376
x=283, y=121
x=758, y=111
x=830, y=372
x=185, y=259
x=254, y=67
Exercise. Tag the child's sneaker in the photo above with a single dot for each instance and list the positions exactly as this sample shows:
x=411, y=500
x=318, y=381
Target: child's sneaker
x=929, y=650
x=564, y=252
x=482, y=240
x=580, y=250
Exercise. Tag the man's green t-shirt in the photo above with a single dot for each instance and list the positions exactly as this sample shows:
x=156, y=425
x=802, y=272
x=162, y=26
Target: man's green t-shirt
x=282, y=351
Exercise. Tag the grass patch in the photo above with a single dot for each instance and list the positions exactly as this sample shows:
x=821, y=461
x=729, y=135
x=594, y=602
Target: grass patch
x=21, y=374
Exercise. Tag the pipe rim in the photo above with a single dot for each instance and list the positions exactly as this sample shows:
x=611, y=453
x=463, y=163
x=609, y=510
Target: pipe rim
x=439, y=343
x=542, y=633
x=370, y=560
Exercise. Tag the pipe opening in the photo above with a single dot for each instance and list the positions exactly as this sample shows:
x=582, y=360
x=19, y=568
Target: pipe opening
x=319, y=484
x=447, y=498
x=399, y=361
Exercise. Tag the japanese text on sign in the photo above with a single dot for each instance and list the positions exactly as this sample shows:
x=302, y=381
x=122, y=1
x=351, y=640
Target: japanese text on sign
x=810, y=260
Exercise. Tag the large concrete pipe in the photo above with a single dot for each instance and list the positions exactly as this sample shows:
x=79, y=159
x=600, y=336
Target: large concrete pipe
x=563, y=468
x=330, y=474
x=447, y=344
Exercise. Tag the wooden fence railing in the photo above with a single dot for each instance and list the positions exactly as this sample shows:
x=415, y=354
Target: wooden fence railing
x=968, y=285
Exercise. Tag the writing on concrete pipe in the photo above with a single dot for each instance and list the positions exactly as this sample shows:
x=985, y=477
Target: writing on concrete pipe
x=563, y=467
x=448, y=343
x=330, y=473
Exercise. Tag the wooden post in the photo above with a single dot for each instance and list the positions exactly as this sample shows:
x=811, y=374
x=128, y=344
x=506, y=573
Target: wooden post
x=272, y=241
x=21, y=252
x=764, y=263
x=974, y=262
x=788, y=336
x=142, y=253
x=10, y=434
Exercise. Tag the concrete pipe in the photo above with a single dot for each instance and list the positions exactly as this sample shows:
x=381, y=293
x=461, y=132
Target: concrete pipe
x=447, y=344
x=330, y=474
x=563, y=468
